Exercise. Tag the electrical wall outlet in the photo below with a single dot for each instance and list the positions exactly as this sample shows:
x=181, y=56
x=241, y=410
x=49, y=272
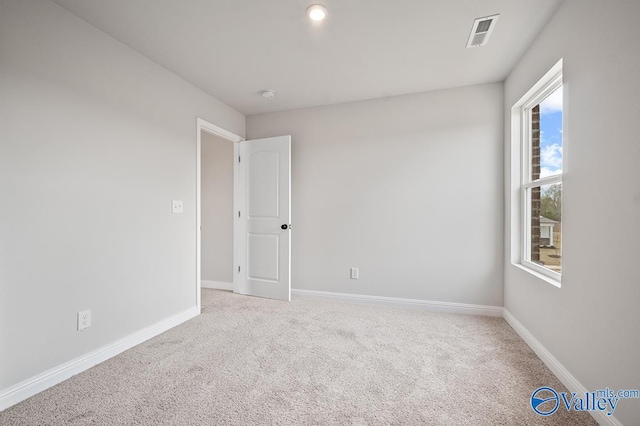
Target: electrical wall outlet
x=355, y=274
x=84, y=319
x=176, y=206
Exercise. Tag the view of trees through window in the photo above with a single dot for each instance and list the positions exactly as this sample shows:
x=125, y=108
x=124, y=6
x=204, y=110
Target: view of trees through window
x=546, y=198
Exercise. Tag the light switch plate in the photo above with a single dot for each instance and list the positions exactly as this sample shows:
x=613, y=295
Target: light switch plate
x=177, y=206
x=355, y=273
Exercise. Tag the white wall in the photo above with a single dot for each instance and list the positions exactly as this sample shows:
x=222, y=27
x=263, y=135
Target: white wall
x=408, y=189
x=591, y=324
x=95, y=142
x=217, y=209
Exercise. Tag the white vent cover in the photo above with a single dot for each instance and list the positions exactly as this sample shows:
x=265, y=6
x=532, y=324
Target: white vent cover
x=482, y=28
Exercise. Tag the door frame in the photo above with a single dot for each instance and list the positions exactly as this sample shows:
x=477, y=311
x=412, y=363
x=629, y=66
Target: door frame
x=205, y=126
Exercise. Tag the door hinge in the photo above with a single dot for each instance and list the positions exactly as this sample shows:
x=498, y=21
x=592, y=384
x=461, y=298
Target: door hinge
x=238, y=213
x=239, y=159
x=238, y=268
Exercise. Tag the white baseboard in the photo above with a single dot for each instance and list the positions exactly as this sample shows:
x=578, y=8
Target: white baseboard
x=556, y=367
x=428, y=305
x=45, y=380
x=216, y=285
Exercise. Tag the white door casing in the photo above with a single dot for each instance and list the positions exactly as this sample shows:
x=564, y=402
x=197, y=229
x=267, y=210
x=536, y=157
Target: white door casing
x=263, y=219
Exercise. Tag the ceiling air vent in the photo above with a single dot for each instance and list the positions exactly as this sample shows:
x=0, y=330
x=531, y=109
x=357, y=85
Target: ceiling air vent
x=482, y=28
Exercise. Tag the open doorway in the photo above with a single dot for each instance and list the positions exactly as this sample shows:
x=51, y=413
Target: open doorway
x=260, y=220
x=215, y=257
x=217, y=212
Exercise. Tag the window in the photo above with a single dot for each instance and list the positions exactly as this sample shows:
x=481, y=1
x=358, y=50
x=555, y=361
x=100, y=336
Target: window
x=539, y=119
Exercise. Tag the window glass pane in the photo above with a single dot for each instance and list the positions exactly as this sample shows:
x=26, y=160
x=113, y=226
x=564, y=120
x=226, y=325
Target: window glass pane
x=545, y=227
x=546, y=140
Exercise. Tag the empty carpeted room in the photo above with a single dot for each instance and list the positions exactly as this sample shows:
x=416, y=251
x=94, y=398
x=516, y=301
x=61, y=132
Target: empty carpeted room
x=319, y=212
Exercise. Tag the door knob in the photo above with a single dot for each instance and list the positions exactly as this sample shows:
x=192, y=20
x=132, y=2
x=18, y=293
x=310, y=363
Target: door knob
x=284, y=226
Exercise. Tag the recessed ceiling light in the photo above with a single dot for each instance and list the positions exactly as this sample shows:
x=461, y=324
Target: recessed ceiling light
x=268, y=93
x=316, y=12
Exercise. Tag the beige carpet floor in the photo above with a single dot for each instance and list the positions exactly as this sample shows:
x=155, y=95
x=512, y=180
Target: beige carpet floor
x=250, y=361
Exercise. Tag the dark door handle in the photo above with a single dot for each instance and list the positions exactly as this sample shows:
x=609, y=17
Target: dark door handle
x=285, y=226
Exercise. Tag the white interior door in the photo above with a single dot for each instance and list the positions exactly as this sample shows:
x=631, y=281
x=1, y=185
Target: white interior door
x=263, y=222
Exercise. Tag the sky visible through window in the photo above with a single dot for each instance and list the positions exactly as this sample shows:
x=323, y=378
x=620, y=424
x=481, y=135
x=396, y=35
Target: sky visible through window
x=547, y=249
x=551, y=134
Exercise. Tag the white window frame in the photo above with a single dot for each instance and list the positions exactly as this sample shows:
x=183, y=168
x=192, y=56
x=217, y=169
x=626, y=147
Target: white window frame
x=521, y=120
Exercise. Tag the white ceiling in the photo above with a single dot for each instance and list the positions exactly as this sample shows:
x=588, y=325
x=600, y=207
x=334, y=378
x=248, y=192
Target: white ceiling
x=364, y=49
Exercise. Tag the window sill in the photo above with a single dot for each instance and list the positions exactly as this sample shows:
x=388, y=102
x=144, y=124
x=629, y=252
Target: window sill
x=537, y=274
